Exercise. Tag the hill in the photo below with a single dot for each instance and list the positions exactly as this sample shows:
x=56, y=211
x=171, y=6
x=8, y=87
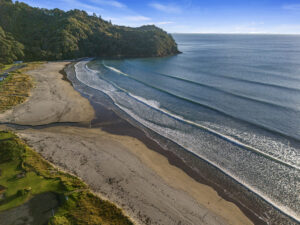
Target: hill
x=30, y=34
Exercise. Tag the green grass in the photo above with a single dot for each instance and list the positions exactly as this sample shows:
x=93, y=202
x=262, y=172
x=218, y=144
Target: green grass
x=32, y=181
x=13, y=156
x=16, y=87
x=78, y=204
x=5, y=135
x=6, y=67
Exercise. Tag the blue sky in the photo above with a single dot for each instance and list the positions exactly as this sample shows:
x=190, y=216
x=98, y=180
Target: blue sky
x=193, y=16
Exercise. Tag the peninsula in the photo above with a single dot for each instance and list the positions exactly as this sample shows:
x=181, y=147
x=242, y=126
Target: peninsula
x=33, y=34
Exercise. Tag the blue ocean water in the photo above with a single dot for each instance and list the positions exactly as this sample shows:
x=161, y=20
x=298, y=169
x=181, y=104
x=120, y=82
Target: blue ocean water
x=233, y=100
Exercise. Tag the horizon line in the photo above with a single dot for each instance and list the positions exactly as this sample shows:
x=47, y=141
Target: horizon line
x=250, y=33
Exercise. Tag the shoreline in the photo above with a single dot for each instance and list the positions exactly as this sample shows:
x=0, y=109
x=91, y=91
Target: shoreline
x=125, y=127
x=114, y=126
x=256, y=208
x=128, y=129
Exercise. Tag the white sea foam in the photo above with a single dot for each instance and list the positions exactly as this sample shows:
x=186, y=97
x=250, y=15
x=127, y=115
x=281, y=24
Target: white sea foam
x=116, y=70
x=156, y=105
x=90, y=78
x=167, y=133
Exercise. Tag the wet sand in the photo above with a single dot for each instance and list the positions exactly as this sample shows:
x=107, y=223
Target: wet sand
x=121, y=168
x=125, y=171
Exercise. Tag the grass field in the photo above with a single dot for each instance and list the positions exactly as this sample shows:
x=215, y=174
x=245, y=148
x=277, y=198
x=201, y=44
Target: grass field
x=25, y=174
x=5, y=67
x=16, y=87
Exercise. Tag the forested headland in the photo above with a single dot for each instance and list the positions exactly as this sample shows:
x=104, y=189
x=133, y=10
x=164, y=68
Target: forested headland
x=31, y=34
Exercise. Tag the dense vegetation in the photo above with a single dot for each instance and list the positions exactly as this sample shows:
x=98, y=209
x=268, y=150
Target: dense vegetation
x=40, y=34
x=25, y=174
x=10, y=49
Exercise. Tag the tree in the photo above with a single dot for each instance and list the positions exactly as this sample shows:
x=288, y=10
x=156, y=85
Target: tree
x=10, y=49
x=41, y=34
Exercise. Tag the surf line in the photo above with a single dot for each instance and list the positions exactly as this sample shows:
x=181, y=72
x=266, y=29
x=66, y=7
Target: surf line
x=284, y=209
x=207, y=129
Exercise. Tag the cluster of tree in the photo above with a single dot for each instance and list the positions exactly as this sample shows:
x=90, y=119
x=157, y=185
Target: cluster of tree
x=10, y=49
x=29, y=33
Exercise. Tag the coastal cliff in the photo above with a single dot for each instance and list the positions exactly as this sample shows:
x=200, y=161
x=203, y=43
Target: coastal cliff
x=30, y=34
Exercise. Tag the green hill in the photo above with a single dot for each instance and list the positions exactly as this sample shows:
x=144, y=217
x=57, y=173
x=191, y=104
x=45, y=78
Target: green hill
x=30, y=34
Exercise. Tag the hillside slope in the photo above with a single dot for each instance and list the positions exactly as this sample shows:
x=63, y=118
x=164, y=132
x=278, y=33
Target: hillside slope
x=42, y=34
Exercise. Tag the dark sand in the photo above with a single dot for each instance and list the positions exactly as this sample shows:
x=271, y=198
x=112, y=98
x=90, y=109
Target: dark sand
x=153, y=188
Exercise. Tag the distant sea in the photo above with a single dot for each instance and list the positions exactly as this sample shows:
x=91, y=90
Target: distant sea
x=232, y=100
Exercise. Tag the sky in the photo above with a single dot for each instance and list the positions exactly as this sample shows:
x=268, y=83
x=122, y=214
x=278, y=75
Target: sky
x=192, y=16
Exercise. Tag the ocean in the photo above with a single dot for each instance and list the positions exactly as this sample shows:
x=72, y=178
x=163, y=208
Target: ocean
x=231, y=100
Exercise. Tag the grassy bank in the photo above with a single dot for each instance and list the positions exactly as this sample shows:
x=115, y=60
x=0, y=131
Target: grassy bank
x=16, y=87
x=25, y=174
x=5, y=67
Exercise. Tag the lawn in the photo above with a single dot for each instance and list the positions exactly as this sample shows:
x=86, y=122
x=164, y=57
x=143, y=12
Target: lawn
x=6, y=67
x=16, y=87
x=24, y=174
x=19, y=190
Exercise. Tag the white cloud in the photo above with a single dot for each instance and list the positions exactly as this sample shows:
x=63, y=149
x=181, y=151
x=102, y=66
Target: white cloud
x=115, y=19
x=137, y=18
x=79, y=5
x=164, y=22
x=292, y=7
x=113, y=3
x=166, y=8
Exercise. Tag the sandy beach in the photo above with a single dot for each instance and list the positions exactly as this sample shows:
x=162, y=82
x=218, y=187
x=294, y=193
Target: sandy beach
x=52, y=100
x=119, y=168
